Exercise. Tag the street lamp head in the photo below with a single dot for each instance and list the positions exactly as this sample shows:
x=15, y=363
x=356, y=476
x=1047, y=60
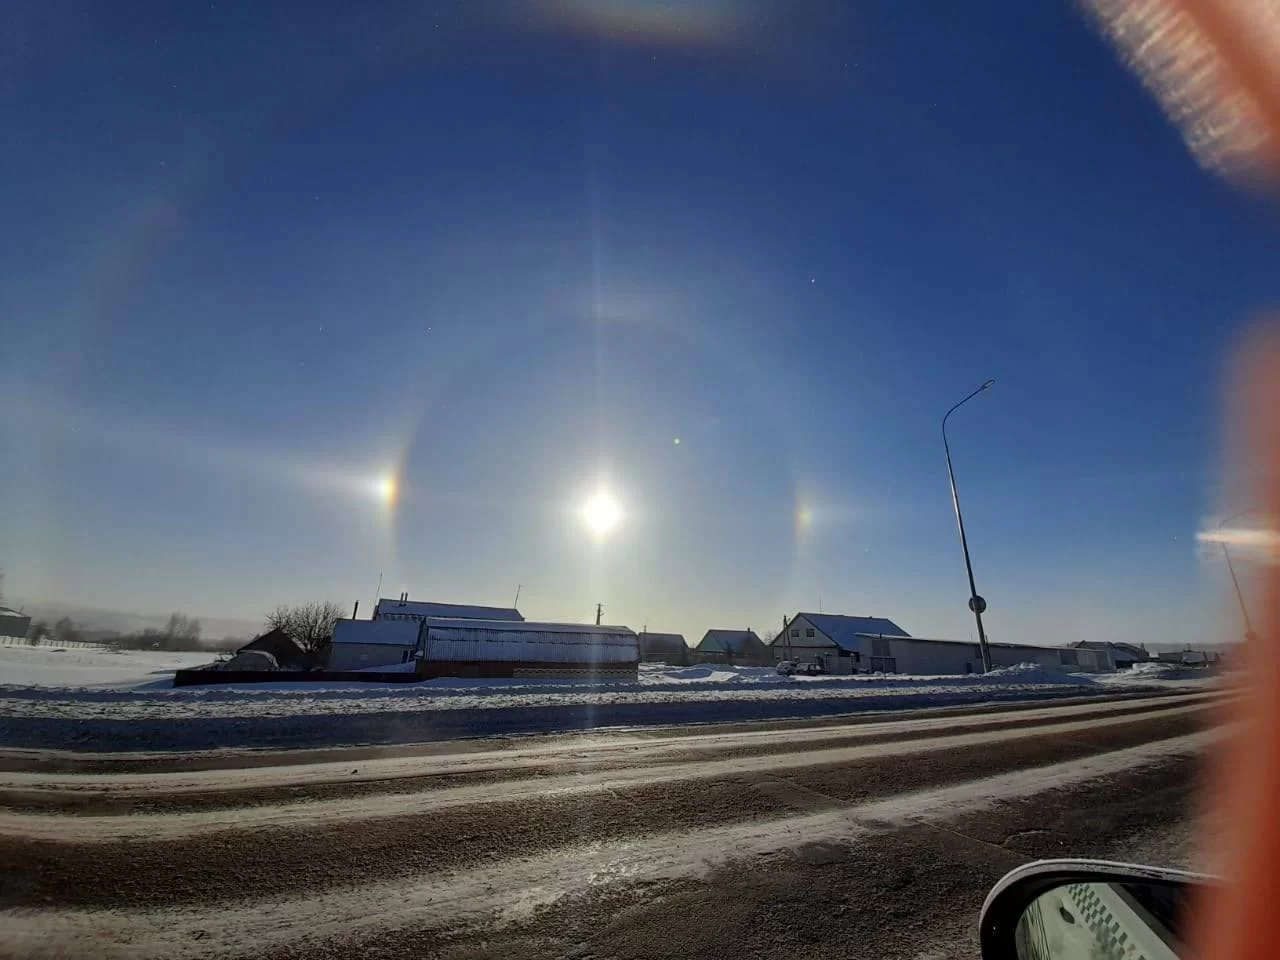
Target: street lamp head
x=988, y=385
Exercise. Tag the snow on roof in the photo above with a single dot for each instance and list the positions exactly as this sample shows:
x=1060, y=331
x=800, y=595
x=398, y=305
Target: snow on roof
x=397, y=633
x=843, y=630
x=279, y=644
x=8, y=612
x=533, y=626
x=728, y=641
x=427, y=608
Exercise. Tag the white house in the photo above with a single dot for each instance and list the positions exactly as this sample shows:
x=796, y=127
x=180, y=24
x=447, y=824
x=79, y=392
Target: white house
x=846, y=645
x=841, y=644
x=372, y=643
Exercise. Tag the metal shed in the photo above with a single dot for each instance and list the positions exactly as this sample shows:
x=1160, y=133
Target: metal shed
x=13, y=623
x=358, y=644
x=451, y=647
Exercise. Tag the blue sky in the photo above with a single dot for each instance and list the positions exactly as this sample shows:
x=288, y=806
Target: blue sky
x=509, y=254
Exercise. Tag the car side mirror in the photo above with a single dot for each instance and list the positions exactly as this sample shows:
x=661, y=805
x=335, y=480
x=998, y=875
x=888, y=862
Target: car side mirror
x=1086, y=910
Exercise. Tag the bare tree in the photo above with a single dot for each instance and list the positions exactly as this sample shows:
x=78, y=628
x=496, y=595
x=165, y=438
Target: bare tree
x=64, y=631
x=180, y=633
x=311, y=624
x=37, y=632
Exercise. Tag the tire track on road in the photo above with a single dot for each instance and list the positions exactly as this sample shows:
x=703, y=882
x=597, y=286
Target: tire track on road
x=172, y=826
x=337, y=920
x=908, y=893
x=309, y=853
x=123, y=794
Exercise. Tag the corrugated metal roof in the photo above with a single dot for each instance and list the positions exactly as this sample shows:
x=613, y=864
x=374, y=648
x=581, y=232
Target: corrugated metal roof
x=532, y=625
x=479, y=640
x=728, y=641
x=426, y=608
x=396, y=633
x=844, y=630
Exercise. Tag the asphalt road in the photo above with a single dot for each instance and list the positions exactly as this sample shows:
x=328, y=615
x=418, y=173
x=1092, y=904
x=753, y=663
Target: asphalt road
x=841, y=838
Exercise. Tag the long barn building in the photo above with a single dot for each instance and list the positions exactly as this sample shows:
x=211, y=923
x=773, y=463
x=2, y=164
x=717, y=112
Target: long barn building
x=846, y=645
x=494, y=648
x=472, y=647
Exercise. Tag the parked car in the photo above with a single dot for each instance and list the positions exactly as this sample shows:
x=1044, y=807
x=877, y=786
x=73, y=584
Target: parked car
x=805, y=668
x=1068, y=909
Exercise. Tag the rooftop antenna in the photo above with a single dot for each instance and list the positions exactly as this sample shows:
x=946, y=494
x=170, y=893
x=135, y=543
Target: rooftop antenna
x=377, y=592
x=516, y=601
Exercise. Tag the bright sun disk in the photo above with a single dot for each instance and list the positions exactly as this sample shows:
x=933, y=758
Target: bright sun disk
x=601, y=513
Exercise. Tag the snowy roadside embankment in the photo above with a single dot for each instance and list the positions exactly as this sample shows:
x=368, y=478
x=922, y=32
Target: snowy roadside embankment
x=107, y=701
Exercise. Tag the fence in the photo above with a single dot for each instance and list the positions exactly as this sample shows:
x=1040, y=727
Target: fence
x=194, y=678
x=63, y=645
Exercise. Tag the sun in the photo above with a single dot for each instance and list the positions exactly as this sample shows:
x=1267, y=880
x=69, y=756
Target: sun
x=601, y=513
x=388, y=489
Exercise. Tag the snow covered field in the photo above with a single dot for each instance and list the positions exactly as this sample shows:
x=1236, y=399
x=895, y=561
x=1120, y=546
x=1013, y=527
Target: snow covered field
x=54, y=665
x=102, y=700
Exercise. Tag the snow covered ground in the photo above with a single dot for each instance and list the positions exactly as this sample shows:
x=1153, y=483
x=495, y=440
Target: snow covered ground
x=99, y=699
x=55, y=665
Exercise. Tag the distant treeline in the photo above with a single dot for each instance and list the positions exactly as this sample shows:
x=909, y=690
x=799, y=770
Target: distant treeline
x=310, y=624
x=179, y=633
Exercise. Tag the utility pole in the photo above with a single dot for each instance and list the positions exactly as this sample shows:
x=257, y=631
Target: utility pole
x=976, y=603
x=1244, y=610
x=599, y=611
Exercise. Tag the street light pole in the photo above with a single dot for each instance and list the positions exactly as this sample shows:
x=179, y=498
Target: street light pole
x=1244, y=611
x=976, y=603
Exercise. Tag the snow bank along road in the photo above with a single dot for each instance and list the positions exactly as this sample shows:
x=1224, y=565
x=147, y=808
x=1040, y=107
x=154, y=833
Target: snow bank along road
x=818, y=839
x=105, y=700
